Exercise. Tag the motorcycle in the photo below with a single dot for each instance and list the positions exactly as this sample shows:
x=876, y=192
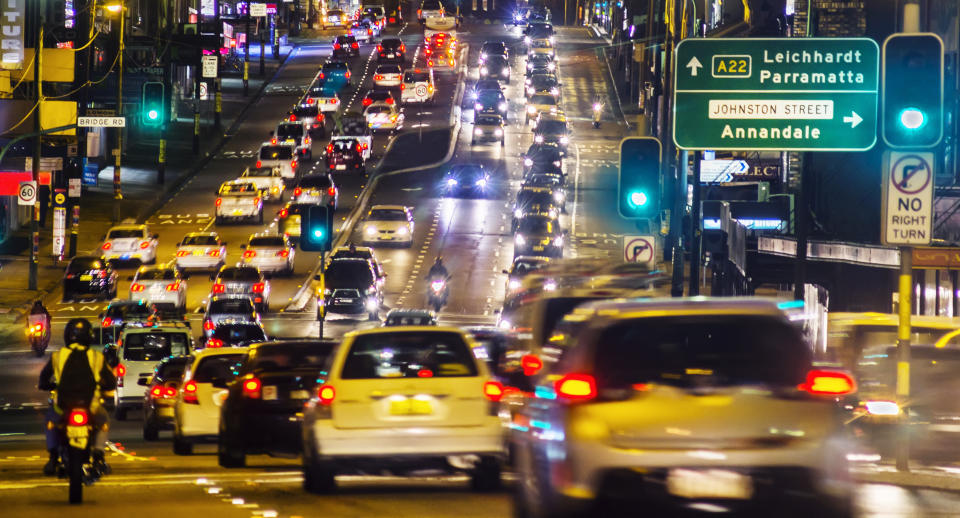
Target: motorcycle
x=38, y=334
x=77, y=428
x=437, y=295
x=597, y=114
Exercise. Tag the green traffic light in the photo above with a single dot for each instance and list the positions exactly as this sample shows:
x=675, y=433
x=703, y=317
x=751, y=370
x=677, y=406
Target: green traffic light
x=638, y=198
x=153, y=115
x=912, y=118
x=318, y=233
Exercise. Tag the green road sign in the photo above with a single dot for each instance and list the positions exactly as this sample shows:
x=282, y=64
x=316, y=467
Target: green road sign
x=783, y=94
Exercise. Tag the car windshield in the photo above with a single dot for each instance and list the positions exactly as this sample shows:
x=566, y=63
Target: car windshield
x=487, y=120
x=467, y=171
x=390, y=43
x=239, y=274
x=431, y=5
x=289, y=356
x=276, y=153
x=415, y=77
x=545, y=180
x=551, y=127
x=238, y=333
x=230, y=306
x=139, y=310
x=218, y=367
x=541, y=44
x=260, y=172
x=83, y=264
x=527, y=197
x=154, y=346
x=388, y=69
x=493, y=47
x=542, y=81
x=524, y=266
x=387, y=215
x=409, y=355
x=344, y=144
x=497, y=61
x=701, y=351
x=542, y=99
x=335, y=66
x=379, y=109
x=320, y=181
x=239, y=188
x=536, y=226
x=294, y=131
x=171, y=369
x=349, y=272
x=490, y=96
x=158, y=274
x=124, y=233
x=270, y=241
x=199, y=241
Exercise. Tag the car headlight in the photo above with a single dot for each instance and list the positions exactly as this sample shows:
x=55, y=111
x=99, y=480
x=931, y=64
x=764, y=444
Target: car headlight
x=505, y=72
x=372, y=304
x=527, y=162
x=550, y=285
x=564, y=139
x=529, y=66
x=517, y=213
x=478, y=132
x=556, y=163
x=502, y=106
x=527, y=81
x=498, y=132
x=530, y=90
x=538, y=139
x=483, y=56
x=402, y=231
x=527, y=40
x=483, y=71
x=514, y=284
x=551, y=66
x=531, y=109
x=558, y=196
x=451, y=182
x=554, y=91
x=520, y=240
x=478, y=106
x=552, y=213
x=327, y=292
x=558, y=241
x=371, y=230
x=552, y=40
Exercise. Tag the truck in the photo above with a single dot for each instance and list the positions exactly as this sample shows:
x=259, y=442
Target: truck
x=353, y=126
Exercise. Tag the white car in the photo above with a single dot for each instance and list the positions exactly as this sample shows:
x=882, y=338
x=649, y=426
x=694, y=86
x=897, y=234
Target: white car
x=279, y=154
x=683, y=402
x=418, y=86
x=196, y=414
x=129, y=242
x=325, y=97
x=408, y=396
x=160, y=284
x=139, y=350
x=388, y=76
x=201, y=251
x=383, y=117
x=222, y=309
x=268, y=180
x=271, y=253
x=334, y=18
x=386, y=224
x=239, y=200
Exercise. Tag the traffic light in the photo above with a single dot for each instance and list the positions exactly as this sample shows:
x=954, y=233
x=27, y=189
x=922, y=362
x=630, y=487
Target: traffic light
x=638, y=191
x=912, y=107
x=316, y=229
x=151, y=107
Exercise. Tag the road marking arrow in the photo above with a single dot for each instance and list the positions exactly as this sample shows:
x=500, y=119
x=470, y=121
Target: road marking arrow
x=693, y=65
x=853, y=119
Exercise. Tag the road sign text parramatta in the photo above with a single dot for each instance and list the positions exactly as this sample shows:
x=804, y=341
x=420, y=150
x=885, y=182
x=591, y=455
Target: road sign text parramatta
x=805, y=94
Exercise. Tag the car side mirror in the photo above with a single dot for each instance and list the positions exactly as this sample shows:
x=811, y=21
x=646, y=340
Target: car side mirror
x=145, y=381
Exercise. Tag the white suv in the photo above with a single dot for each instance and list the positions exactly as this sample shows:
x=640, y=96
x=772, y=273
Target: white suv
x=139, y=350
x=683, y=403
x=403, y=398
x=129, y=241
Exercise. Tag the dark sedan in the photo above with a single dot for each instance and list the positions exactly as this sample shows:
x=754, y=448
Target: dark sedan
x=263, y=409
x=89, y=277
x=345, y=155
x=161, y=395
x=467, y=179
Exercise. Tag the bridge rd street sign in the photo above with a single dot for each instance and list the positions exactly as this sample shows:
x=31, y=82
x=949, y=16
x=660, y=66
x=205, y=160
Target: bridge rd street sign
x=907, y=198
x=784, y=94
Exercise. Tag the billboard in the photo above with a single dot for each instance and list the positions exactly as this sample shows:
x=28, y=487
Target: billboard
x=12, y=18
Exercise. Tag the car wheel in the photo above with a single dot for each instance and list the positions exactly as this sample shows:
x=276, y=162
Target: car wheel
x=229, y=456
x=151, y=432
x=473, y=142
x=181, y=446
x=532, y=497
x=260, y=218
x=120, y=414
x=218, y=220
x=318, y=477
x=486, y=475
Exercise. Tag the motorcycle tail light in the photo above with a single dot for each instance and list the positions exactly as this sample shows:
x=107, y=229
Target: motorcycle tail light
x=78, y=418
x=121, y=370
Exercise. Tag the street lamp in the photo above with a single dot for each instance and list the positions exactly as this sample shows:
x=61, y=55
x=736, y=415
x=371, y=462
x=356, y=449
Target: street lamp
x=120, y=9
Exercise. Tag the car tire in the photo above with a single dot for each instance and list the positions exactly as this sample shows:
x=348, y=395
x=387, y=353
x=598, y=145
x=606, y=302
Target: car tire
x=318, y=477
x=229, y=456
x=181, y=446
x=486, y=475
x=260, y=218
x=473, y=142
x=120, y=414
x=547, y=505
x=151, y=431
x=218, y=220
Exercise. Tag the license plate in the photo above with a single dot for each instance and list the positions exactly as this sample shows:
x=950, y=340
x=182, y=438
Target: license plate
x=165, y=411
x=410, y=407
x=390, y=55
x=86, y=277
x=341, y=167
x=125, y=256
x=711, y=483
x=198, y=252
x=77, y=432
x=299, y=394
x=237, y=212
x=269, y=392
x=344, y=301
x=538, y=248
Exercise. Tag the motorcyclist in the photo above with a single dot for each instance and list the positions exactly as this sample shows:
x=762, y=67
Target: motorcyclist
x=438, y=270
x=39, y=314
x=77, y=375
x=597, y=110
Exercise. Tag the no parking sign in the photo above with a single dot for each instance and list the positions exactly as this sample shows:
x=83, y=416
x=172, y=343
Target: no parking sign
x=640, y=249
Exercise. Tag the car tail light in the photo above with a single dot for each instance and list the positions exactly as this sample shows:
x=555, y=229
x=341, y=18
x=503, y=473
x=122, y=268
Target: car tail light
x=208, y=325
x=332, y=191
x=169, y=392
x=182, y=253
x=120, y=370
x=336, y=46
x=256, y=201
x=430, y=63
x=332, y=165
x=259, y=163
x=355, y=46
x=326, y=394
x=348, y=72
x=319, y=115
x=219, y=201
x=283, y=253
x=403, y=47
x=273, y=140
x=249, y=253
x=106, y=246
x=368, y=101
x=334, y=100
x=379, y=47
x=78, y=418
x=292, y=118
x=329, y=148
x=251, y=388
x=531, y=364
x=369, y=32
x=297, y=192
x=190, y=393
x=359, y=149
x=390, y=101
x=137, y=287
x=258, y=287
x=493, y=390
x=321, y=75
x=365, y=145
x=283, y=213
x=424, y=373
x=293, y=164
x=393, y=20
x=576, y=387
x=311, y=100
x=430, y=88
x=214, y=343
x=219, y=288
x=828, y=383
x=107, y=322
x=173, y=286
x=156, y=391
x=214, y=253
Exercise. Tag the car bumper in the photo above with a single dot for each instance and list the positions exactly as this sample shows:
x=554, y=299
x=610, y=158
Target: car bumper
x=155, y=297
x=388, y=82
x=142, y=255
x=198, y=262
x=193, y=421
x=487, y=136
x=267, y=265
x=162, y=415
x=387, y=238
x=545, y=250
x=269, y=432
x=486, y=439
x=415, y=100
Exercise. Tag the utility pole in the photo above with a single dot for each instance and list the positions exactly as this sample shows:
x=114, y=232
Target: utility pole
x=196, y=83
x=118, y=152
x=260, y=31
x=695, y=223
x=82, y=111
x=217, y=96
x=37, y=151
x=246, y=54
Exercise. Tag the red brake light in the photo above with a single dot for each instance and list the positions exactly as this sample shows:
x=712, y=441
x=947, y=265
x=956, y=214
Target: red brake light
x=389, y=100
x=156, y=391
x=258, y=287
x=356, y=46
x=218, y=288
x=531, y=364
x=321, y=75
x=368, y=101
x=273, y=140
x=208, y=325
x=259, y=163
x=173, y=286
x=214, y=343
x=326, y=394
x=576, y=387
x=190, y=392
x=251, y=388
x=218, y=202
x=137, y=287
x=249, y=253
x=283, y=213
x=424, y=373
x=379, y=47
x=402, y=87
x=284, y=253
x=293, y=164
x=256, y=201
x=403, y=47
x=121, y=370
x=359, y=149
x=297, y=191
x=106, y=246
x=78, y=418
x=169, y=392
x=107, y=322
x=332, y=191
x=334, y=100
x=493, y=390
x=393, y=20
x=828, y=383
x=310, y=100
x=365, y=146
x=336, y=46
x=292, y=118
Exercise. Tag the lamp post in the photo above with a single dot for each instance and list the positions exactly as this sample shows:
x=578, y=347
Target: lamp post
x=120, y=9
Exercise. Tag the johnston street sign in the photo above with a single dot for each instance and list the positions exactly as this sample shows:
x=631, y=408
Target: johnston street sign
x=783, y=94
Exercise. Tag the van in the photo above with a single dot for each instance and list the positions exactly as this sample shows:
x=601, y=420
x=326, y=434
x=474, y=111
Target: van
x=139, y=351
x=417, y=86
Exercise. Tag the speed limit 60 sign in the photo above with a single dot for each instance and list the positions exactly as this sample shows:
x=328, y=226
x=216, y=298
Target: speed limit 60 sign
x=27, y=194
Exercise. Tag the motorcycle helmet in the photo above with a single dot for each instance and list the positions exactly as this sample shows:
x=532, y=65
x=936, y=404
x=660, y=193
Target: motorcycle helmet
x=78, y=330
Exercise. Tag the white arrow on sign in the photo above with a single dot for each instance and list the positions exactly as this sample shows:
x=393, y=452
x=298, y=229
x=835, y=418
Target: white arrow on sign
x=693, y=65
x=853, y=119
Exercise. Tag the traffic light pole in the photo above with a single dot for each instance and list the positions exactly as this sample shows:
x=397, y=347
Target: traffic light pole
x=695, y=223
x=802, y=217
x=246, y=55
x=217, y=95
x=118, y=151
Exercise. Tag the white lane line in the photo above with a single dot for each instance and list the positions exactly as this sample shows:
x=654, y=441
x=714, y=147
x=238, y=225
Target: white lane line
x=576, y=192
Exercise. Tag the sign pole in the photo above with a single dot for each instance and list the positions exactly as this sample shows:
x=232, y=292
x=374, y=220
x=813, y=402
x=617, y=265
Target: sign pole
x=246, y=55
x=696, y=221
x=118, y=152
x=802, y=219
x=260, y=31
x=37, y=153
x=903, y=356
x=217, y=94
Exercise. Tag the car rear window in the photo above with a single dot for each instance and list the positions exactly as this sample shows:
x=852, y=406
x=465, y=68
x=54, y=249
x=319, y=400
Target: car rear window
x=148, y=347
x=410, y=320
x=391, y=43
x=388, y=69
x=272, y=241
x=409, y=354
x=336, y=66
x=701, y=351
x=223, y=367
x=171, y=369
x=84, y=264
x=125, y=233
x=387, y=215
x=542, y=99
x=344, y=144
x=290, y=356
x=199, y=241
x=497, y=61
x=129, y=311
x=354, y=270
x=237, y=333
x=239, y=274
x=379, y=109
x=415, y=77
x=294, y=131
x=316, y=180
x=165, y=274
x=552, y=127
x=239, y=188
x=231, y=306
x=276, y=153
x=260, y=172
x=310, y=110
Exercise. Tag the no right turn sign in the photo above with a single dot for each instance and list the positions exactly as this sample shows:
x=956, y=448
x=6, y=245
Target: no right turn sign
x=908, y=198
